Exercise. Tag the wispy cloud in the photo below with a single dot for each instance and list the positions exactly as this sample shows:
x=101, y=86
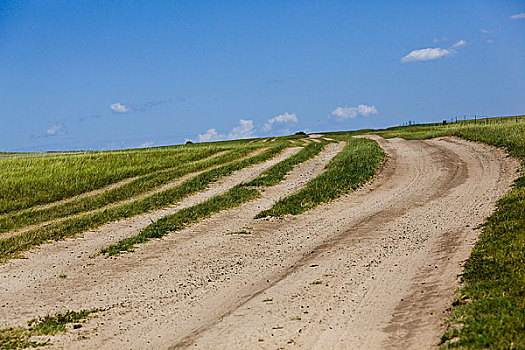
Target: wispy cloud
x=518, y=16
x=425, y=55
x=343, y=113
x=281, y=118
x=459, y=44
x=119, y=108
x=484, y=31
x=244, y=130
x=431, y=54
x=93, y=116
x=57, y=129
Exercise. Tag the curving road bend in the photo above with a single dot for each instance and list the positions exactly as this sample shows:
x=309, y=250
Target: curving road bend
x=374, y=269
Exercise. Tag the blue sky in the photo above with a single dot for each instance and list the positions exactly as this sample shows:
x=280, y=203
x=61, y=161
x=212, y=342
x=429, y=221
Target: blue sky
x=119, y=74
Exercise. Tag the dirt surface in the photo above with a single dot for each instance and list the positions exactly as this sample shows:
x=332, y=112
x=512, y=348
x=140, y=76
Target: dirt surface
x=374, y=269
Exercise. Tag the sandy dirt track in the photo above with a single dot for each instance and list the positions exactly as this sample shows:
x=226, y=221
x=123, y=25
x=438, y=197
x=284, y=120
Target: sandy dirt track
x=374, y=269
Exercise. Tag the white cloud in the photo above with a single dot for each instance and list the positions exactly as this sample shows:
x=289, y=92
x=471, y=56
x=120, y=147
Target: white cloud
x=55, y=130
x=425, y=55
x=282, y=118
x=210, y=135
x=460, y=43
x=489, y=41
x=484, y=31
x=119, y=108
x=431, y=54
x=243, y=131
x=352, y=112
x=518, y=16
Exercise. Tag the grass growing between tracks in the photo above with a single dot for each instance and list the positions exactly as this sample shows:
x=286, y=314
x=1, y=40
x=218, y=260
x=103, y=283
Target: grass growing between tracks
x=276, y=174
x=139, y=186
x=355, y=165
x=12, y=246
x=20, y=337
x=233, y=198
x=29, y=181
x=489, y=310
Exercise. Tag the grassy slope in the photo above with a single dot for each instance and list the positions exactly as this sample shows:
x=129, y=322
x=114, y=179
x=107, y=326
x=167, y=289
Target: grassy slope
x=29, y=181
x=12, y=246
x=139, y=186
x=489, y=311
x=355, y=165
x=235, y=197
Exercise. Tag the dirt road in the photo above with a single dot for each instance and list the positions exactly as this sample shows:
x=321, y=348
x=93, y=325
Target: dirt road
x=374, y=269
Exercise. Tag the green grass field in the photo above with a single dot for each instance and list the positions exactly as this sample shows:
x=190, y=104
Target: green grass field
x=13, y=245
x=29, y=181
x=138, y=186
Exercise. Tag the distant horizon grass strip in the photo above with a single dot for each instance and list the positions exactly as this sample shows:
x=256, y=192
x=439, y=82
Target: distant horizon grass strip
x=355, y=165
x=12, y=246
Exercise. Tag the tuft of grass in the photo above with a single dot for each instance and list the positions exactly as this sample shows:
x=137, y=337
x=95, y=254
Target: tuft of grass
x=242, y=232
x=20, y=337
x=355, y=165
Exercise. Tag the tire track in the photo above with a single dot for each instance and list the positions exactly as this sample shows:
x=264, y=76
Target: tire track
x=359, y=272
x=71, y=257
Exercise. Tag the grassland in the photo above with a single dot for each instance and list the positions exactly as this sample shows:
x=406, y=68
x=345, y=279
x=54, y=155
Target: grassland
x=138, y=186
x=13, y=245
x=355, y=165
x=29, y=181
x=489, y=311
x=236, y=196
